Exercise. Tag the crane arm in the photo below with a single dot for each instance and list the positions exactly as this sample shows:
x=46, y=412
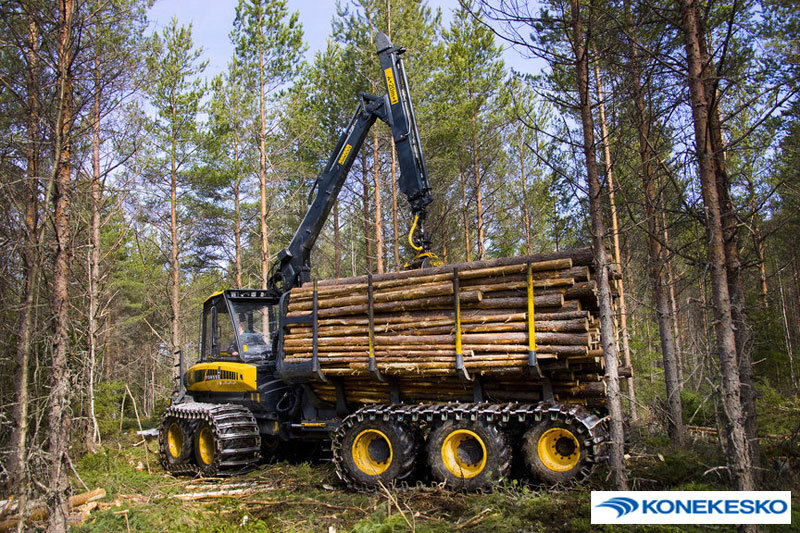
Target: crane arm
x=291, y=267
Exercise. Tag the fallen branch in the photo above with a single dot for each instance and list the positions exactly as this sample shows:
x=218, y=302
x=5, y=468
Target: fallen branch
x=139, y=422
x=227, y=486
x=192, y=496
x=715, y=469
x=474, y=520
x=393, y=500
x=713, y=431
x=309, y=502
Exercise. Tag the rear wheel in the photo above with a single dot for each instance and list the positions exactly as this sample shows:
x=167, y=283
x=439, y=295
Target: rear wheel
x=554, y=453
x=205, y=449
x=372, y=452
x=468, y=455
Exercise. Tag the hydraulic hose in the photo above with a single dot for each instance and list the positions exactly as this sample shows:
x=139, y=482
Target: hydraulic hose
x=411, y=235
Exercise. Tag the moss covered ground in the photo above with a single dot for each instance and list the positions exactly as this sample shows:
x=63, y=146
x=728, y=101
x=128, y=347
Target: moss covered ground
x=304, y=495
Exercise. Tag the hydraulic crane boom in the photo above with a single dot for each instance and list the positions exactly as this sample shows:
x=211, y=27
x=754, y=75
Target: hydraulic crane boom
x=291, y=267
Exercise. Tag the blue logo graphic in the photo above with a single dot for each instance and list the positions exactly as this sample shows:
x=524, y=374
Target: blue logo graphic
x=621, y=505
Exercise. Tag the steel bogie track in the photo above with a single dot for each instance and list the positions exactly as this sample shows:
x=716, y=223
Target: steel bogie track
x=237, y=442
x=511, y=418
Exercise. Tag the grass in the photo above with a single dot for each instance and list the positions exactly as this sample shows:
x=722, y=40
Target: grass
x=303, y=496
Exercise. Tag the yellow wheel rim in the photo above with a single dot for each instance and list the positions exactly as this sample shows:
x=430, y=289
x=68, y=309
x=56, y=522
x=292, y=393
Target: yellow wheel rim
x=559, y=450
x=205, y=445
x=464, y=453
x=174, y=440
x=372, y=452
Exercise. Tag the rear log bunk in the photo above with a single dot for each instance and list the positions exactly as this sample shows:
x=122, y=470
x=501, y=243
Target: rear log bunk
x=521, y=327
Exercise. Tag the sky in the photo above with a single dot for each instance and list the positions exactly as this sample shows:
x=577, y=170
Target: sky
x=212, y=21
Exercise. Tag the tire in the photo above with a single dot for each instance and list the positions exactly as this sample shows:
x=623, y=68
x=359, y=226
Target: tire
x=375, y=451
x=206, y=449
x=468, y=455
x=175, y=442
x=555, y=453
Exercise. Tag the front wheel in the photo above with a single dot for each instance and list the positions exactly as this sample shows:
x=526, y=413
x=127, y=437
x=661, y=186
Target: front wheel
x=175, y=442
x=468, y=455
x=371, y=452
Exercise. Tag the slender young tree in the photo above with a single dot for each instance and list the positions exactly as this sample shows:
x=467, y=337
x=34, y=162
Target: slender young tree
x=269, y=42
x=620, y=286
x=28, y=206
x=653, y=210
x=175, y=93
x=228, y=164
x=580, y=49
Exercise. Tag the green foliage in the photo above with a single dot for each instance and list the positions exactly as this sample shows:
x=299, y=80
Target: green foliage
x=107, y=403
x=778, y=412
x=267, y=37
x=381, y=523
x=698, y=408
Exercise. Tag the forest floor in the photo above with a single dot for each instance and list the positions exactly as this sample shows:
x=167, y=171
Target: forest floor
x=307, y=496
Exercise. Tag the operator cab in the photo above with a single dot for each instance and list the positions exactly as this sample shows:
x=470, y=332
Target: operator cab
x=238, y=325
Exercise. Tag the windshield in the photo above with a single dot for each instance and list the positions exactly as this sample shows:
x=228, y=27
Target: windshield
x=254, y=322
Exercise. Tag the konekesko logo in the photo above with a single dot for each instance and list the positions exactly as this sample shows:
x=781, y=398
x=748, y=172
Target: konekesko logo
x=621, y=505
x=691, y=507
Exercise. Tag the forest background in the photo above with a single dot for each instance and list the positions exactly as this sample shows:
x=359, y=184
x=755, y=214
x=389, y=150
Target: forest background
x=136, y=185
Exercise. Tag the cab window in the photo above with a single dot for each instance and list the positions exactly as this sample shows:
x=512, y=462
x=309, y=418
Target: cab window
x=254, y=325
x=219, y=340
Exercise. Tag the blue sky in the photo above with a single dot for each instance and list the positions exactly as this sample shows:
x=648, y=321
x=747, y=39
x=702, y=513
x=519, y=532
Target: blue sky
x=212, y=21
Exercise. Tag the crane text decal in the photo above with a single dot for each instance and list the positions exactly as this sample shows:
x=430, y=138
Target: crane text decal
x=391, y=86
x=345, y=153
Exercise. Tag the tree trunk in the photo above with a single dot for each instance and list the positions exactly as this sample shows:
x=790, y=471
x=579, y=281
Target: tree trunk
x=18, y=470
x=337, y=243
x=673, y=302
x=738, y=453
x=395, y=225
x=663, y=311
x=758, y=245
x=526, y=211
x=378, y=214
x=610, y=352
x=445, y=256
x=93, y=438
x=733, y=266
x=237, y=218
x=623, y=310
x=465, y=219
x=787, y=337
x=175, y=266
x=652, y=211
x=59, y=417
x=476, y=170
x=262, y=165
x=365, y=198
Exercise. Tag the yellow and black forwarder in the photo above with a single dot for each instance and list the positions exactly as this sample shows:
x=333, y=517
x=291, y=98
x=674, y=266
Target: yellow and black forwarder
x=243, y=396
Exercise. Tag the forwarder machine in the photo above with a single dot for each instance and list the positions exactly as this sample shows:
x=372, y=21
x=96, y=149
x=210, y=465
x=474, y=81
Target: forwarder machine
x=242, y=397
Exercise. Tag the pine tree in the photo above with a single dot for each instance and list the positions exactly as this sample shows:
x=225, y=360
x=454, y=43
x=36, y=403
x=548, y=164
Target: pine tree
x=175, y=92
x=269, y=42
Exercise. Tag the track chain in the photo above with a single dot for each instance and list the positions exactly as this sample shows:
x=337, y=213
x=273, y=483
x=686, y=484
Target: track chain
x=508, y=416
x=236, y=437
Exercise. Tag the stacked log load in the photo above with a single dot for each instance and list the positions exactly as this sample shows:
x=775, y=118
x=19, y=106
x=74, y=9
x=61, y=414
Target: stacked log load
x=414, y=331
